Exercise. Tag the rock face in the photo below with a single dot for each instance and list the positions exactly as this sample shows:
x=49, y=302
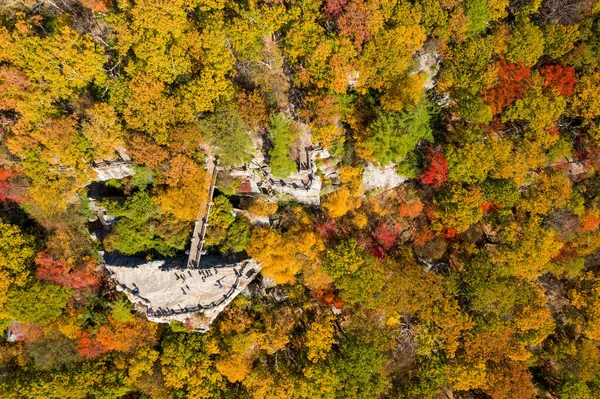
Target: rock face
x=116, y=168
x=377, y=178
x=427, y=60
x=112, y=170
x=166, y=291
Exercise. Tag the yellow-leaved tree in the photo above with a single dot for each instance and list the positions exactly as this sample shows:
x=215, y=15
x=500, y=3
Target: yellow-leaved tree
x=320, y=337
x=283, y=254
x=16, y=252
x=186, y=190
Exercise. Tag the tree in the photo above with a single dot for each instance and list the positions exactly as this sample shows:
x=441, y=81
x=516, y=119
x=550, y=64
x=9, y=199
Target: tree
x=474, y=278
x=142, y=178
x=392, y=136
x=475, y=110
x=527, y=249
x=253, y=109
x=470, y=163
x=121, y=311
x=238, y=236
x=357, y=275
x=341, y=202
x=263, y=208
x=234, y=367
x=458, y=25
x=12, y=186
x=410, y=209
x=146, y=151
x=100, y=6
x=37, y=303
x=584, y=297
x=559, y=39
x=88, y=347
x=359, y=22
x=513, y=80
x=278, y=326
x=586, y=102
x=282, y=136
x=66, y=61
x=502, y=192
x=497, y=9
x=548, y=191
x=87, y=379
x=515, y=160
x=359, y=367
x=151, y=109
x=320, y=337
x=283, y=255
x=103, y=129
x=388, y=55
x=560, y=78
x=458, y=207
x=221, y=217
x=187, y=188
x=82, y=276
x=436, y=173
x=333, y=8
x=17, y=253
x=510, y=380
x=404, y=93
x=53, y=352
x=478, y=13
x=226, y=132
x=567, y=12
x=326, y=111
x=467, y=73
x=186, y=365
x=268, y=382
x=539, y=111
x=126, y=336
x=140, y=229
x=212, y=85
x=166, y=45
x=526, y=43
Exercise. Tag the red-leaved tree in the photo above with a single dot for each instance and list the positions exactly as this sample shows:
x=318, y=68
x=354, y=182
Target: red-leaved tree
x=324, y=296
x=354, y=22
x=89, y=347
x=25, y=332
x=590, y=222
x=561, y=78
x=116, y=336
x=489, y=206
x=372, y=247
x=59, y=272
x=333, y=8
x=327, y=228
x=386, y=234
x=436, y=170
x=410, y=209
x=513, y=80
x=422, y=236
x=8, y=190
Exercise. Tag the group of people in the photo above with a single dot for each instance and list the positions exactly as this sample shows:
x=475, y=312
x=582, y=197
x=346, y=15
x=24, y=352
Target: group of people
x=204, y=274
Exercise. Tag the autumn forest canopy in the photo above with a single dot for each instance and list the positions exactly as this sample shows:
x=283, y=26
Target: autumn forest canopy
x=475, y=275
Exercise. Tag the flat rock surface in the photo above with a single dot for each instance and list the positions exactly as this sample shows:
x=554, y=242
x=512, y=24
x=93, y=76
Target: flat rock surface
x=171, y=293
x=378, y=178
